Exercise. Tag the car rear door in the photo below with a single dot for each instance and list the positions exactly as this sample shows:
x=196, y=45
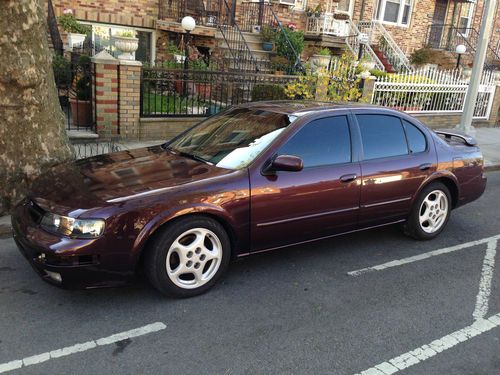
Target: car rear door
x=320, y=200
x=397, y=156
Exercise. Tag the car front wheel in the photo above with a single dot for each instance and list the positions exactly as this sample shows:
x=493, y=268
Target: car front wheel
x=187, y=257
x=430, y=212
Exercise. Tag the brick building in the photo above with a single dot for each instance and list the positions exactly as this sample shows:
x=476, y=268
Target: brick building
x=412, y=24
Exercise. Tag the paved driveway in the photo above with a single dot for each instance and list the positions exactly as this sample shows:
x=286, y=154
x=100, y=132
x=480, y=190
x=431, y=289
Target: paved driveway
x=376, y=302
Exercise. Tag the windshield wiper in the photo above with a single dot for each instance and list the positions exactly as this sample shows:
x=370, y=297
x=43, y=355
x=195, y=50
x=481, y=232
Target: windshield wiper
x=194, y=157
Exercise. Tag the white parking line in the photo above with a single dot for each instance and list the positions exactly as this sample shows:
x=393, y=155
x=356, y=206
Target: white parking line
x=427, y=351
x=483, y=296
x=416, y=258
x=39, y=358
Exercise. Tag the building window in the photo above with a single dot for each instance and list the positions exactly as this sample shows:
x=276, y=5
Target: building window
x=394, y=11
x=466, y=17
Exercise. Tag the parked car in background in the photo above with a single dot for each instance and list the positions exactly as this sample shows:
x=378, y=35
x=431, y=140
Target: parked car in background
x=257, y=177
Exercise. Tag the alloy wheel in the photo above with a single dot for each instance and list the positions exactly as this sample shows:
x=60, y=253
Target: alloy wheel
x=194, y=258
x=433, y=211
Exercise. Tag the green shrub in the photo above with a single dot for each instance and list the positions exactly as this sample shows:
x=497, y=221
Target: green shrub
x=268, y=92
x=267, y=34
x=296, y=39
x=421, y=56
x=69, y=24
x=62, y=71
x=324, y=52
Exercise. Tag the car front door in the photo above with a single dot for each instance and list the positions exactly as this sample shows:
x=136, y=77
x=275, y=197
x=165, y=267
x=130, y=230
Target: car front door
x=396, y=159
x=320, y=200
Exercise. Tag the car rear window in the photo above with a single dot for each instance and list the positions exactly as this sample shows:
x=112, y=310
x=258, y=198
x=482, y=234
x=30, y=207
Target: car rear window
x=382, y=136
x=416, y=139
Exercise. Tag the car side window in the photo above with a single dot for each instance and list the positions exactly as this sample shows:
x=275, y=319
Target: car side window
x=323, y=141
x=416, y=139
x=382, y=136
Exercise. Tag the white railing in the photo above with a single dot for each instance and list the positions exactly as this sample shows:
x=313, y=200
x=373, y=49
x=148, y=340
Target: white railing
x=433, y=91
x=352, y=41
x=326, y=24
x=378, y=35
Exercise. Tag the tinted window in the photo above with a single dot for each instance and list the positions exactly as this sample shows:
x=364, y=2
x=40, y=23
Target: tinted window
x=416, y=139
x=382, y=136
x=321, y=142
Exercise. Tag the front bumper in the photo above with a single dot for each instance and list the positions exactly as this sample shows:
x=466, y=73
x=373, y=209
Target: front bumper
x=61, y=261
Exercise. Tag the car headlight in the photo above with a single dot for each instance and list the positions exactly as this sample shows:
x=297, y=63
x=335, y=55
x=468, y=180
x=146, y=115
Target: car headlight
x=79, y=228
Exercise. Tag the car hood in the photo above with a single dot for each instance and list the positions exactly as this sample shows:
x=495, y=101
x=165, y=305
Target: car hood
x=109, y=178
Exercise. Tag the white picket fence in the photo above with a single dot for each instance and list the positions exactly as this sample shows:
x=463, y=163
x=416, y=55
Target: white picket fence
x=433, y=91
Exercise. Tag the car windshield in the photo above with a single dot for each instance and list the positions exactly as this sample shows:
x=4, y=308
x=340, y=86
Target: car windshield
x=232, y=139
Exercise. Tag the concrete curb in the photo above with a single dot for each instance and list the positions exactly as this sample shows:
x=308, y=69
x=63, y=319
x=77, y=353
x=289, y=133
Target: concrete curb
x=5, y=227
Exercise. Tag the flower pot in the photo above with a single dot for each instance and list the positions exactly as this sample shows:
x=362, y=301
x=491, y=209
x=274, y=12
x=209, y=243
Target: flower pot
x=81, y=112
x=317, y=15
x=75, y=39
x=126, y=45
x=320, y=61
x=179, y=59
x=203, y=89
x=190, y=87
x=267, y=46
x=309, y=14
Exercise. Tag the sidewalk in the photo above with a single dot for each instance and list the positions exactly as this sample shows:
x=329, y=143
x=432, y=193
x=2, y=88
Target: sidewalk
x=489, y=142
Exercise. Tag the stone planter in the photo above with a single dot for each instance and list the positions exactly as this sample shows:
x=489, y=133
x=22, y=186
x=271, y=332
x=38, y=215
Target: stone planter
x=75, y=40
x=81, y=112
x=320, y=61
x=126, y=45
x=368, y=65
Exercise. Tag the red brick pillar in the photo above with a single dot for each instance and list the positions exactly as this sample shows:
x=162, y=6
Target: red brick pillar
x=106, y=94
x=129, y=98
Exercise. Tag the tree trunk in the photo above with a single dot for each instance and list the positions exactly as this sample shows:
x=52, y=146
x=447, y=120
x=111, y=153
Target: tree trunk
x=32, y=134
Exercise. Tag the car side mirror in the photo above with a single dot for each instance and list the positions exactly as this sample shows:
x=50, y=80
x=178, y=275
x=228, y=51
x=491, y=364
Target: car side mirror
x=288, y=163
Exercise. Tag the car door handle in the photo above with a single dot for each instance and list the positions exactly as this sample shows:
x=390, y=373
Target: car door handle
x=348, y=177
x=424, y=167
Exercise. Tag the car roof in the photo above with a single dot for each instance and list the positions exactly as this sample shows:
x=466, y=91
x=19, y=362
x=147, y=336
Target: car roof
x=303, y=107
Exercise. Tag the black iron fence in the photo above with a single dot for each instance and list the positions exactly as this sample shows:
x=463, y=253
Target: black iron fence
x=177, y=93
x=85, y=149
x=205, y=12
x=76, y=90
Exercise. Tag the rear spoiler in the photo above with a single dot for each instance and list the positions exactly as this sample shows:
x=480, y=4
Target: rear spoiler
x=449, y=134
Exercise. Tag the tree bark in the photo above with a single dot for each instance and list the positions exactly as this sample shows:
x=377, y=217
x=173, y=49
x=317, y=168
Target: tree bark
x=32, y=133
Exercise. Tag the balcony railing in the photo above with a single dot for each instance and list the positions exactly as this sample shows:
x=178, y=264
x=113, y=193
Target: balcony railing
x=205, y=12
x=327, y=24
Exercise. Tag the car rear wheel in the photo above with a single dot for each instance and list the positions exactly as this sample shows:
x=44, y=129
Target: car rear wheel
x=430, y=212
x=188, y=257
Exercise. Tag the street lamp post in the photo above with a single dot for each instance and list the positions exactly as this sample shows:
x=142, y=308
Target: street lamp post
x=188, y=24
x=460, y=50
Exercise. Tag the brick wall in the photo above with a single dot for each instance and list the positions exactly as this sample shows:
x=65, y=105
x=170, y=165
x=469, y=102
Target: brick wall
x=106, y=97
x=139, y=13
x=165, y=128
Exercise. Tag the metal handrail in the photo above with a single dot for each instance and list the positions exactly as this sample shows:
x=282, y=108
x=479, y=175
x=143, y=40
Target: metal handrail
x=53, y=29
x=297, y=64
x=239, y=57
x=352, y=42
x=389, y=47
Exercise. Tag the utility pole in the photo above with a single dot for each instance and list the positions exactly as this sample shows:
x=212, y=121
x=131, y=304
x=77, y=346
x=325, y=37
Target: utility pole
x=477, y=68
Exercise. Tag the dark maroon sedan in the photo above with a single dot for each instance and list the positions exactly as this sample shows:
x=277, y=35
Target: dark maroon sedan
x=255, y=178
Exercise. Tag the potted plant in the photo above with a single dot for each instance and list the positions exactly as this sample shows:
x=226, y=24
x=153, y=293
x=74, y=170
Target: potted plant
x=321, y=58
x=127, y=43
x=62, y=76
x=267, y=36
x=176, y=52
x=309, y=12
x=317, y=11
x=279, y=64
x=76, y=31
x=81, y=109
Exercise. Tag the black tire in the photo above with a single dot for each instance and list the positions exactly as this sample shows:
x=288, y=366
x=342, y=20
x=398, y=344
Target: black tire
x=412, y=227
x=155, y=261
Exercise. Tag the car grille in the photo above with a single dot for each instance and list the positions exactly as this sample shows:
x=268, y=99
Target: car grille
x=35, y=211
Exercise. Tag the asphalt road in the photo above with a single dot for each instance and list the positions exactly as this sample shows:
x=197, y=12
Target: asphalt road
x=293, y=311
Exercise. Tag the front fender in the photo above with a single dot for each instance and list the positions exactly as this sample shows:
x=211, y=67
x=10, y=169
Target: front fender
x=175, y=212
